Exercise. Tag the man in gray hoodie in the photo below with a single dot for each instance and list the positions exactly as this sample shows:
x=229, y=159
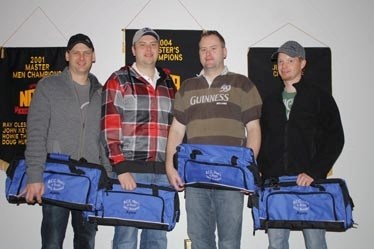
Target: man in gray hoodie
x=64, y=117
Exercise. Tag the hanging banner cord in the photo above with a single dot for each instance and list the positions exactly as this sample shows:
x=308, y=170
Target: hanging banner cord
x=282, y=27
x=20, y=26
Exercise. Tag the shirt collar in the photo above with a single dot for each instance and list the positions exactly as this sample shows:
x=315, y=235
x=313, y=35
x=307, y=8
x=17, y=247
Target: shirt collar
x=150, y=80
x=224, y=72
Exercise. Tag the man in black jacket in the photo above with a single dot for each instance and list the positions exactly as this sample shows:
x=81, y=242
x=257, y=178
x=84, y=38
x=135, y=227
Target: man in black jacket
x=302, y=134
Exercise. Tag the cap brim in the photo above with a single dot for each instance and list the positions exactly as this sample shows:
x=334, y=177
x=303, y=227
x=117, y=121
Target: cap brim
x=274, y=56
x=70, y=47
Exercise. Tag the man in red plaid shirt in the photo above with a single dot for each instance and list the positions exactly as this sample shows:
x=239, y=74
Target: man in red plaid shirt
x=137, y=105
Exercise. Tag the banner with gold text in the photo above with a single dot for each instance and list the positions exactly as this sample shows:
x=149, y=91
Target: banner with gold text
x=20, y=70
x=179, y=52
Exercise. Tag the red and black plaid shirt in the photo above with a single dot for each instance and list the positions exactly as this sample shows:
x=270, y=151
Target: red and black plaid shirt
x=136, y=116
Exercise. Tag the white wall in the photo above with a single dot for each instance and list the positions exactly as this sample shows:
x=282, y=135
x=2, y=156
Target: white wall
x=345, y=26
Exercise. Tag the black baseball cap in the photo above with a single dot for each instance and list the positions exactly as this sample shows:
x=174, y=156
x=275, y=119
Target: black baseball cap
x=79, y=38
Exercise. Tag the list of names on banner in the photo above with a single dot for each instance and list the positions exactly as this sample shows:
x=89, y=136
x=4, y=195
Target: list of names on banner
x=13, y=133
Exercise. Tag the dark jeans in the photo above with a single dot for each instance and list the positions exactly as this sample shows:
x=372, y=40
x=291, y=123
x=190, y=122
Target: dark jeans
x=54, y=224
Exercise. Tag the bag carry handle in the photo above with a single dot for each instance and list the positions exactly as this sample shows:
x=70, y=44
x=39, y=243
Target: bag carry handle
x=194, y=153
x=74, y=170
x=289, y=180
x=59, y=156
x=320, y=187
x=155, y=188
x=294, y=178
x=70, y=162
x=256, y=174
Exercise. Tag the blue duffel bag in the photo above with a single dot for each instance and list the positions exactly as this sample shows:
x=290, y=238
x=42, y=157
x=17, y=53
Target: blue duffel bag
x=217, y=166
x=147, y=206
x=281, y=203
x=67, y=183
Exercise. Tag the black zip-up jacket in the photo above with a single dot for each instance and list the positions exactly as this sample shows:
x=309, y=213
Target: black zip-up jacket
x=309, y=142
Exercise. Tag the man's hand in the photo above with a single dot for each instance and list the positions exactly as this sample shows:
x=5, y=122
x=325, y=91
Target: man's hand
x=33, y=192
x=127, y=181
x=174, y=179
x=304, y=180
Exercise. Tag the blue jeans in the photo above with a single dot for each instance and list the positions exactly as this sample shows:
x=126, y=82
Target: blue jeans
x=54, y=224
x=313, y=238
x=208, y=209
x=127, y=237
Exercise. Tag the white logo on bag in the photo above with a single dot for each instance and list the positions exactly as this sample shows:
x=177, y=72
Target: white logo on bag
x=55, y=184
x=131, y=205
x=213, y=175
x=300, y=205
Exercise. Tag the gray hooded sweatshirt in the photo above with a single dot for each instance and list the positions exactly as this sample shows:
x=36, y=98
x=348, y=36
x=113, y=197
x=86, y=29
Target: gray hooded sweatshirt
x=55, y=124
